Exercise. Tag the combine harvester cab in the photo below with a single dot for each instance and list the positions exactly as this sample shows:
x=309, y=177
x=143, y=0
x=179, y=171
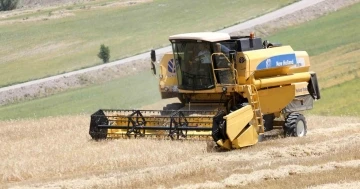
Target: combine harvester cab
x=231, y=89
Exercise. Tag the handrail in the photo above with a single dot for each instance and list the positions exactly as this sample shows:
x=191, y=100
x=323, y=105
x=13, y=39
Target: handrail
x=232, y=69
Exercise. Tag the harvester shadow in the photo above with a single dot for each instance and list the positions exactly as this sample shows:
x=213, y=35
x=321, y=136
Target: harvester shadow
x=273, y=135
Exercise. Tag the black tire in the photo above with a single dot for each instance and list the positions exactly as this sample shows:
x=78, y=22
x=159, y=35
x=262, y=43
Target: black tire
x=169, y=108
x=269, y=122
x=238, y=106
x=173, y=106
x=295, y=125
x=98, y=118
x=219, y=127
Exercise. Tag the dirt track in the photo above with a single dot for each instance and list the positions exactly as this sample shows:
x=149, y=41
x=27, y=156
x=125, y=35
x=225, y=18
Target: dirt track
x=62, y=156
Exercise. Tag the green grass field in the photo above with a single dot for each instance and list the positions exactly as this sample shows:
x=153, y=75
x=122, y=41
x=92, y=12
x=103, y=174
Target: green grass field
x=324, y=34
x=48, y=46
x=335, y=64
x=128, y=93
x=342, y=99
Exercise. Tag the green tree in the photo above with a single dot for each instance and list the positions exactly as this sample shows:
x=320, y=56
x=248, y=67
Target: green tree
x=6, y=5
x=104, y=53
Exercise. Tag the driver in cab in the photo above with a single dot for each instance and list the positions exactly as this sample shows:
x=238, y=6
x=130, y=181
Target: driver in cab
x=204, y=55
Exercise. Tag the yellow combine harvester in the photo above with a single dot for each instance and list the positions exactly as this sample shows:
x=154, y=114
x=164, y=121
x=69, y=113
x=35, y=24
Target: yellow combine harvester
x=231, y=88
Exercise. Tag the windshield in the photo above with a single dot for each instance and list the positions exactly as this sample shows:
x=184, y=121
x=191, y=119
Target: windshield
x=193, y=65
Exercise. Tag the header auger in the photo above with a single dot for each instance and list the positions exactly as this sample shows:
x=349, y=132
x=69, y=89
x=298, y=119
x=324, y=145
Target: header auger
x=232, y=89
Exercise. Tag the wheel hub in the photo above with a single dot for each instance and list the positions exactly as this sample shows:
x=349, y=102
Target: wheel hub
x=300, y=128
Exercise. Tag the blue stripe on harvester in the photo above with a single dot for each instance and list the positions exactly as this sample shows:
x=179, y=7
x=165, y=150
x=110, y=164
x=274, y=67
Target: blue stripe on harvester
x=277, y=61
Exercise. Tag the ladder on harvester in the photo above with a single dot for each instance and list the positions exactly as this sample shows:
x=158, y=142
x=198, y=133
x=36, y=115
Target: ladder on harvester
x=253, y=98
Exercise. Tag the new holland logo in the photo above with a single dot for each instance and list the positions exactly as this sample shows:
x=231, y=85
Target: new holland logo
x=277, y=61
x=171, y=68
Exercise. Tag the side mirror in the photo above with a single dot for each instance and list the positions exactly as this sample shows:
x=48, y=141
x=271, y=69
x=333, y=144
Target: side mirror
x=232, y=56
x=153, y=55
x=153, y=59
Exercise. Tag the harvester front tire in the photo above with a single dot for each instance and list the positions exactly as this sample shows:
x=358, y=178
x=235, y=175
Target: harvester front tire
x=173, y=106
x=269, y=122
x=219, y=127
x=295, y=125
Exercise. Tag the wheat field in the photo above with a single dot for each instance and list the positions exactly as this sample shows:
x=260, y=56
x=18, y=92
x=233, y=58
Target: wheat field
x=57, y=152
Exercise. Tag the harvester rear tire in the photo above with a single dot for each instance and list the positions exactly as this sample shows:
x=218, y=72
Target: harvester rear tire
x=295, y=125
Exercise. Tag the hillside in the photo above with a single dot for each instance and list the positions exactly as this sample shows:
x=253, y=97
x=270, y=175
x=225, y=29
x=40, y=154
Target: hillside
x=46, y=3
x=335, y=59
x=40, y=42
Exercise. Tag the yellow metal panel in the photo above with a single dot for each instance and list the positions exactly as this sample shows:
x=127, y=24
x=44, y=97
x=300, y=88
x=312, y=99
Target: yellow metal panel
x=302, y=62
x=283, y=70
x=226, y=144
x=248, y=62
x=254, y=58
x=282, y=80
x=217, y=89
x=168, y=79
x=247, y=138
x=275, y=99
x=301, y=88
x=236, y=121
x=240, y=66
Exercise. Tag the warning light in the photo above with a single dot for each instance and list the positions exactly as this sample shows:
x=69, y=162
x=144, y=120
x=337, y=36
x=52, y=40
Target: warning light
x=252, y=35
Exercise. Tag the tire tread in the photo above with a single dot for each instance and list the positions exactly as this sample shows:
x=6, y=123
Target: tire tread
x=290, y=124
